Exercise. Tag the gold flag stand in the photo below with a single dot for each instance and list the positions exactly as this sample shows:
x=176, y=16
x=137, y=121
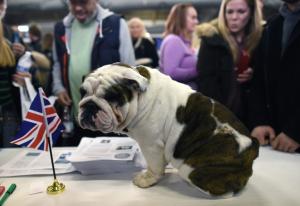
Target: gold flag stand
x=55, y=188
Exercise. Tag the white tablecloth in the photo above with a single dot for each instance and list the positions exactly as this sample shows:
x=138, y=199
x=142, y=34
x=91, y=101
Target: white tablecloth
x=275, y=182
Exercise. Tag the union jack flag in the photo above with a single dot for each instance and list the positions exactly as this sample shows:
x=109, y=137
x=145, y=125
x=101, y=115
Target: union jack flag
x=33, y=130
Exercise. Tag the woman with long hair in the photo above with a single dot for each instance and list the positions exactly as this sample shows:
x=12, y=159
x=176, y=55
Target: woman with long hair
x=10, y=112
x=227, y=53
x=144, y=46
x=8, y=115
x=177, y=57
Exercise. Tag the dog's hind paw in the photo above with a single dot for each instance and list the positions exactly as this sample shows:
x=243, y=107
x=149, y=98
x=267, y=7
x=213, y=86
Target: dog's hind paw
x=145, y=179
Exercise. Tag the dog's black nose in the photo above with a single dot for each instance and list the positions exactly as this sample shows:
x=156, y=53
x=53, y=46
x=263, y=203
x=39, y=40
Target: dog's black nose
x=91, y=107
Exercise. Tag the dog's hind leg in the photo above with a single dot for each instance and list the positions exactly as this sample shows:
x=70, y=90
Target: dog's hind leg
x=220, y=181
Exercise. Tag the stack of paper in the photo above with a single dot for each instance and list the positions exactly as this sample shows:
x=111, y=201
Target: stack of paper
x=36, y=162
x=104, y=155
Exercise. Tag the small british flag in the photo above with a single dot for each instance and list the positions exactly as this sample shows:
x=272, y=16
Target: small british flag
x=36, y=126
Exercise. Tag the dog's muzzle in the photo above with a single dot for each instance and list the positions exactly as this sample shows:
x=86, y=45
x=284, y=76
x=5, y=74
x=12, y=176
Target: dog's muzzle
x=89, y=109
x=97, y=115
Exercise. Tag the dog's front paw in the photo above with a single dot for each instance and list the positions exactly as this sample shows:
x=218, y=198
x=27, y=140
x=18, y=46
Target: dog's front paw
x=145, y=179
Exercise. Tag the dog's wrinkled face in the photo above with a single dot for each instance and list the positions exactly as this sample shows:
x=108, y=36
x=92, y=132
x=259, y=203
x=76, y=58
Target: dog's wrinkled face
x=106, y=96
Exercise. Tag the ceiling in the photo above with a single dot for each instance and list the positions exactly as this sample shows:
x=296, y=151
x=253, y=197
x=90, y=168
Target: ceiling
x=113, y=4
x=24, y=11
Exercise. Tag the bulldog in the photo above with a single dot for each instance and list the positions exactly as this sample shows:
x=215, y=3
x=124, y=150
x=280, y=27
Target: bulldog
x=204, y=141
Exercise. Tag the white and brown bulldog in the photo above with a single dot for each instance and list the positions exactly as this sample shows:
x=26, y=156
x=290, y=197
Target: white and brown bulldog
x=172, y=123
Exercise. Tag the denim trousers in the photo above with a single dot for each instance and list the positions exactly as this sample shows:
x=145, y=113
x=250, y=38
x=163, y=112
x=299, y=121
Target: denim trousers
x=9, y=125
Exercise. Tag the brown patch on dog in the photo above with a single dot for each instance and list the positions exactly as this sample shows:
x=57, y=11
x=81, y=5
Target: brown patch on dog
x=122, y=65
x=199, y=125
x=144, y=72
x=223, y=115
x=119, y=93
x=219, y=168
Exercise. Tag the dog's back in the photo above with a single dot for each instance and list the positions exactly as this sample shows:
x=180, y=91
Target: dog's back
x=209, y=146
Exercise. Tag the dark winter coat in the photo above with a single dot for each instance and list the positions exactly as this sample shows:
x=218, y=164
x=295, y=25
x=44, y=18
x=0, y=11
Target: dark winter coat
x=217, y=77
x=275, y=99
x=145, y=52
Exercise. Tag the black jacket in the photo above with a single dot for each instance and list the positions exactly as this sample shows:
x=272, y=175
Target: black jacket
x=144, y=48
x=276, y=85
x=217, y=78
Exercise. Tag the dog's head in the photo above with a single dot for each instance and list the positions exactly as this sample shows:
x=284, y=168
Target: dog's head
x=106, y=97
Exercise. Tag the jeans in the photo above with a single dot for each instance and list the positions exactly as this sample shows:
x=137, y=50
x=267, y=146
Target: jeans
x=9, y=125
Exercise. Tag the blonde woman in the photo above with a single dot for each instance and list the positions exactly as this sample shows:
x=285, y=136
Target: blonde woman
x=227, y=53
x=10, y=111
x=144, y=46
x=177, y=56
x=8, y=115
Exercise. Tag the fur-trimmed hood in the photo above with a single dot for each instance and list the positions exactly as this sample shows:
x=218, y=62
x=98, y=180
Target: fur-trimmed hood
x=207, y=29
x=211, y=33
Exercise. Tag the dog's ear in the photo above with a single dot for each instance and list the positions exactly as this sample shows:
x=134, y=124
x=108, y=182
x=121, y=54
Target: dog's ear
x=135, y=81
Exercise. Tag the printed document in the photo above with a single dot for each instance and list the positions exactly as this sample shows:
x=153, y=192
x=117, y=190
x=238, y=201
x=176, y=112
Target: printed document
x=36, y=162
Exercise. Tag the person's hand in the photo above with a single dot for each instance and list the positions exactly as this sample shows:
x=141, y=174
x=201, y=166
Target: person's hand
x=18, y=49
x=264, y=134
x=284, y=143
x=245, y=76
x=19, y=77
x=64, y=98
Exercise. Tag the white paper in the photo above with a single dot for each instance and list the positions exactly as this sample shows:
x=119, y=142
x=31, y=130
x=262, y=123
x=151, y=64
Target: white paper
x=36, y=162
x=104, y=154
x=27, y=94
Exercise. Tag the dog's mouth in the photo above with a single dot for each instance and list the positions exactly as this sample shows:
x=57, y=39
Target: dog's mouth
x=94, y=117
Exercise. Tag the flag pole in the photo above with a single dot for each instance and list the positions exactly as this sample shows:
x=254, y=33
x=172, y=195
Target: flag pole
x=56, y=187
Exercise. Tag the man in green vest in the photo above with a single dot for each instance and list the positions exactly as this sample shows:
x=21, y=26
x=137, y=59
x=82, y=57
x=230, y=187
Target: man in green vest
x=87, y=38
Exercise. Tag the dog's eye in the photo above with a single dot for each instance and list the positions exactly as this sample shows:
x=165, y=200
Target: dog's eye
x=112, y=94
x=82, y=92
x=117, y=94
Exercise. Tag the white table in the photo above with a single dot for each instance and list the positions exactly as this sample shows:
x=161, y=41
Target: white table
x=275, y=182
